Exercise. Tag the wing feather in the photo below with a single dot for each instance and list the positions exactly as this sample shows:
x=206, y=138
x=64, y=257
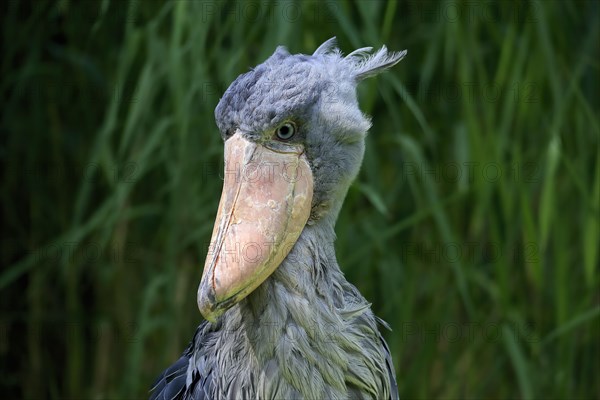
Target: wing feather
x=180, y=380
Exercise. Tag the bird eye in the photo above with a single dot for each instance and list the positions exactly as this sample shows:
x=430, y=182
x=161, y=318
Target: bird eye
x=286, y=131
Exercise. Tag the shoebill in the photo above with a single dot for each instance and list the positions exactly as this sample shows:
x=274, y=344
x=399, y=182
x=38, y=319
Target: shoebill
x=282, y=321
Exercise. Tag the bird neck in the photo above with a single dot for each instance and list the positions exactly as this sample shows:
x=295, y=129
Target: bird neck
x=303, y=327
x=308, y=276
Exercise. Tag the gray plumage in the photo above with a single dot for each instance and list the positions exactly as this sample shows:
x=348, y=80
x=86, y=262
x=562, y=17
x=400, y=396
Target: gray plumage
x=305, y=332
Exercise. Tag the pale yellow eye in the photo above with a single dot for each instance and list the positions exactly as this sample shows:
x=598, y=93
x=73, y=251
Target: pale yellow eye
x=286, y=131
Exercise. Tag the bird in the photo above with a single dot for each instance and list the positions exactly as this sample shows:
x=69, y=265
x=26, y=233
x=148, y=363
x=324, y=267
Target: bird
x=281, y=319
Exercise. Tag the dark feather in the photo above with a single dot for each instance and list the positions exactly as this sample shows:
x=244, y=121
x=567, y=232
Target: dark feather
x=170, y=381
x=171, y=384
x=394, y=395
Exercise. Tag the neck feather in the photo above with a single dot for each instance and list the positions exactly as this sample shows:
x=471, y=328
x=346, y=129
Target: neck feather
x=304, y=327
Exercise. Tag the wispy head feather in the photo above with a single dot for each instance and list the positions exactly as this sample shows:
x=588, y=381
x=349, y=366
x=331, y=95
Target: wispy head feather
x=362, y=62
x=328, y=46
x=366, y=65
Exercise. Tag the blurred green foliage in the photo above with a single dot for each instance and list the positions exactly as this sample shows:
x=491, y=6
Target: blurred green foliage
x=473, y=226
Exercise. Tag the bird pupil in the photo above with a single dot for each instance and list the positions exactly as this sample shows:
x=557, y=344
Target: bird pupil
x=284, y=130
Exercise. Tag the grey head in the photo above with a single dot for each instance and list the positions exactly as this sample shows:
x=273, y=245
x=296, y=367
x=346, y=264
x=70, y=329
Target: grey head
x=295, y=111
x=317, y=95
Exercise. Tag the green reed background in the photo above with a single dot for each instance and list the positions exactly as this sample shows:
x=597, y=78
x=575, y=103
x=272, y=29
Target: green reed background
x=473, y=227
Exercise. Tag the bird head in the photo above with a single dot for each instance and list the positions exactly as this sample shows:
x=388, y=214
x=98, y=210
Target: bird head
x=294, y=141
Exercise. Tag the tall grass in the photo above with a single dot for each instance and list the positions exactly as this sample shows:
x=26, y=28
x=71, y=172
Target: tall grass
x=473, y=226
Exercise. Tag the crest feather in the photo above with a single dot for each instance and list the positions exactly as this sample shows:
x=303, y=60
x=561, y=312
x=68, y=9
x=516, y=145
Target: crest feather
x=328, y=46
x=366, y=65
x=360, y=53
